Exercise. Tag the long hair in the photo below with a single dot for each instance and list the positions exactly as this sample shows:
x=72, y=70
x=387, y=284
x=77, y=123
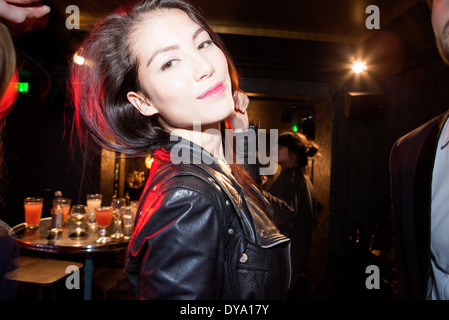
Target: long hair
x=8, y=93
x=99, y=87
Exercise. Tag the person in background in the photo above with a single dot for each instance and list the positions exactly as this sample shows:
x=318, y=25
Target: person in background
x=16, y=17
x=293, y=185
x=419, y=173
x=157, y=80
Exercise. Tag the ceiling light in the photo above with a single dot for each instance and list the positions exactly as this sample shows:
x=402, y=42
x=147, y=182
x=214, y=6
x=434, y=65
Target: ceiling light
x=358, y=67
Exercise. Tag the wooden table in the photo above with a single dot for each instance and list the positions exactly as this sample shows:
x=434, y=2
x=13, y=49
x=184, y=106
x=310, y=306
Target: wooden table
x=42, y=240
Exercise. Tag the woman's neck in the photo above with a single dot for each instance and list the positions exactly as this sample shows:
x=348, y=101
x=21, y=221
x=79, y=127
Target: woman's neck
x=209, y=138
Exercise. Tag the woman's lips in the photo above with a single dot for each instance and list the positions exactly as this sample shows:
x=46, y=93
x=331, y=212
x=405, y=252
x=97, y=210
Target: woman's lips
x=214, y=91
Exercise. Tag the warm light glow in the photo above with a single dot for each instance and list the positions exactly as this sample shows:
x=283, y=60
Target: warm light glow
x=78, y=59
x=148, y=162
x=358, y=67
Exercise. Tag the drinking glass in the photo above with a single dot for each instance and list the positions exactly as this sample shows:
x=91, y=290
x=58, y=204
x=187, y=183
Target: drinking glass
x=128, y=222
x=93, y=201
x=118, y=206
x=103, y=216
x=33, y=211
x=78, y=214
x=66, y=204
x=134, y=204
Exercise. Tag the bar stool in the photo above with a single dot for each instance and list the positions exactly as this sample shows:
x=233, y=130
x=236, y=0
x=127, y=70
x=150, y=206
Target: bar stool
x=41, y=272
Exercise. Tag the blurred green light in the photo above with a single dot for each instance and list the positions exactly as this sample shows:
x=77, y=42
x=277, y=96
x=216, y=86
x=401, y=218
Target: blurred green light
x=22, y=87
x=295, y=128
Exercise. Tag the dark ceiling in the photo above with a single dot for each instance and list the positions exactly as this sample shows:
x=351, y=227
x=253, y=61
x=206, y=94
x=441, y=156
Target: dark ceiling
x=340, y=21
x=311, y=41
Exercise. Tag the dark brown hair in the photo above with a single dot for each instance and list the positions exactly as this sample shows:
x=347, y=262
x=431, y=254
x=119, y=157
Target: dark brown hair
x=299, y=145
x=99, y=87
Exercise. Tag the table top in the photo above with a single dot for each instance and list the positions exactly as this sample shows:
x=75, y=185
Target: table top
x=40, y=239
x=41, y=271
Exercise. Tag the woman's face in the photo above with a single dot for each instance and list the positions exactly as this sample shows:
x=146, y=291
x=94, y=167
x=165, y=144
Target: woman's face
x=283, y=155
x=184, y=74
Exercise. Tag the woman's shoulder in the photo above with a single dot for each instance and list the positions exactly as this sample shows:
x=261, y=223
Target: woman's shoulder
x=177, y=177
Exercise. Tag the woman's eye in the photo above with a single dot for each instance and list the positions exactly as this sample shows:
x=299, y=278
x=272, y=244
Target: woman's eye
x=169, y=64
x=205, y=44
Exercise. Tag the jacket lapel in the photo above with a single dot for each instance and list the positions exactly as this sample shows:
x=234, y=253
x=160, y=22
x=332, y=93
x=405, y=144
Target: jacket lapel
x=422, y=195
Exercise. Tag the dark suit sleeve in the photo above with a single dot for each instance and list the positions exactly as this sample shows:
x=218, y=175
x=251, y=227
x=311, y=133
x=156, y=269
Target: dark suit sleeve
x=283, y=214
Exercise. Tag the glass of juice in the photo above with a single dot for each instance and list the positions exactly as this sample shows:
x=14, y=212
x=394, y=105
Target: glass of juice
x=103, y=216
x=33, y=211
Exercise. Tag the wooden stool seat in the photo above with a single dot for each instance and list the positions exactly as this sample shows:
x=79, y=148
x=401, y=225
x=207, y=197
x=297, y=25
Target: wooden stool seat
x=41, y=271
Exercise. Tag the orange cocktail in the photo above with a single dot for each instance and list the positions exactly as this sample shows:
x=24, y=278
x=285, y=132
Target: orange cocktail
x=103, y=215
x=65, y=213
x=33, y=211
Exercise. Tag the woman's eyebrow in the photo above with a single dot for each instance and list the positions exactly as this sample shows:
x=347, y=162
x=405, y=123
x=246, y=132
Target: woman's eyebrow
x=162, y=50
x=197, y=33
x=174, y=47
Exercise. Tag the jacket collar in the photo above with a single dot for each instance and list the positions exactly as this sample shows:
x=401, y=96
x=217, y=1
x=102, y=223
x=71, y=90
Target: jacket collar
x=184, y=151
x=257, y=226
x=444, y=132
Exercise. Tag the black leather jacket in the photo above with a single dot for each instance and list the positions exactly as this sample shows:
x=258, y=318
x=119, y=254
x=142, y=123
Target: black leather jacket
x=196, y=237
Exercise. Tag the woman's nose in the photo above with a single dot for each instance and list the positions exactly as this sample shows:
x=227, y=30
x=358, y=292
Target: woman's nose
x=203, y=68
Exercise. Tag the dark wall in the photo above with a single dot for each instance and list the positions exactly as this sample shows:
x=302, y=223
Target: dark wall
x=361, y=150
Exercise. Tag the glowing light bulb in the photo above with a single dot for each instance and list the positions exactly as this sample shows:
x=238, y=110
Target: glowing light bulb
x=78, y=59
x=358, y=67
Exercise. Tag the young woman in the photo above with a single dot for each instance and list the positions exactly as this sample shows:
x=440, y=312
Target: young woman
x=294, y=186
x=157, y=80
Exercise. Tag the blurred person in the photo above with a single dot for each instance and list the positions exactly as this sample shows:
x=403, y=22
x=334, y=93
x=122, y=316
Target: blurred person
x=9, y=260
x=16, y=17
x=293, y=185
x=153, y=72
x=8, y=92
x=420, y=188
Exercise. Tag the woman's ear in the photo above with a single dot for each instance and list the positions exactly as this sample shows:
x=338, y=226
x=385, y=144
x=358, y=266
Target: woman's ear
x=145, y=107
